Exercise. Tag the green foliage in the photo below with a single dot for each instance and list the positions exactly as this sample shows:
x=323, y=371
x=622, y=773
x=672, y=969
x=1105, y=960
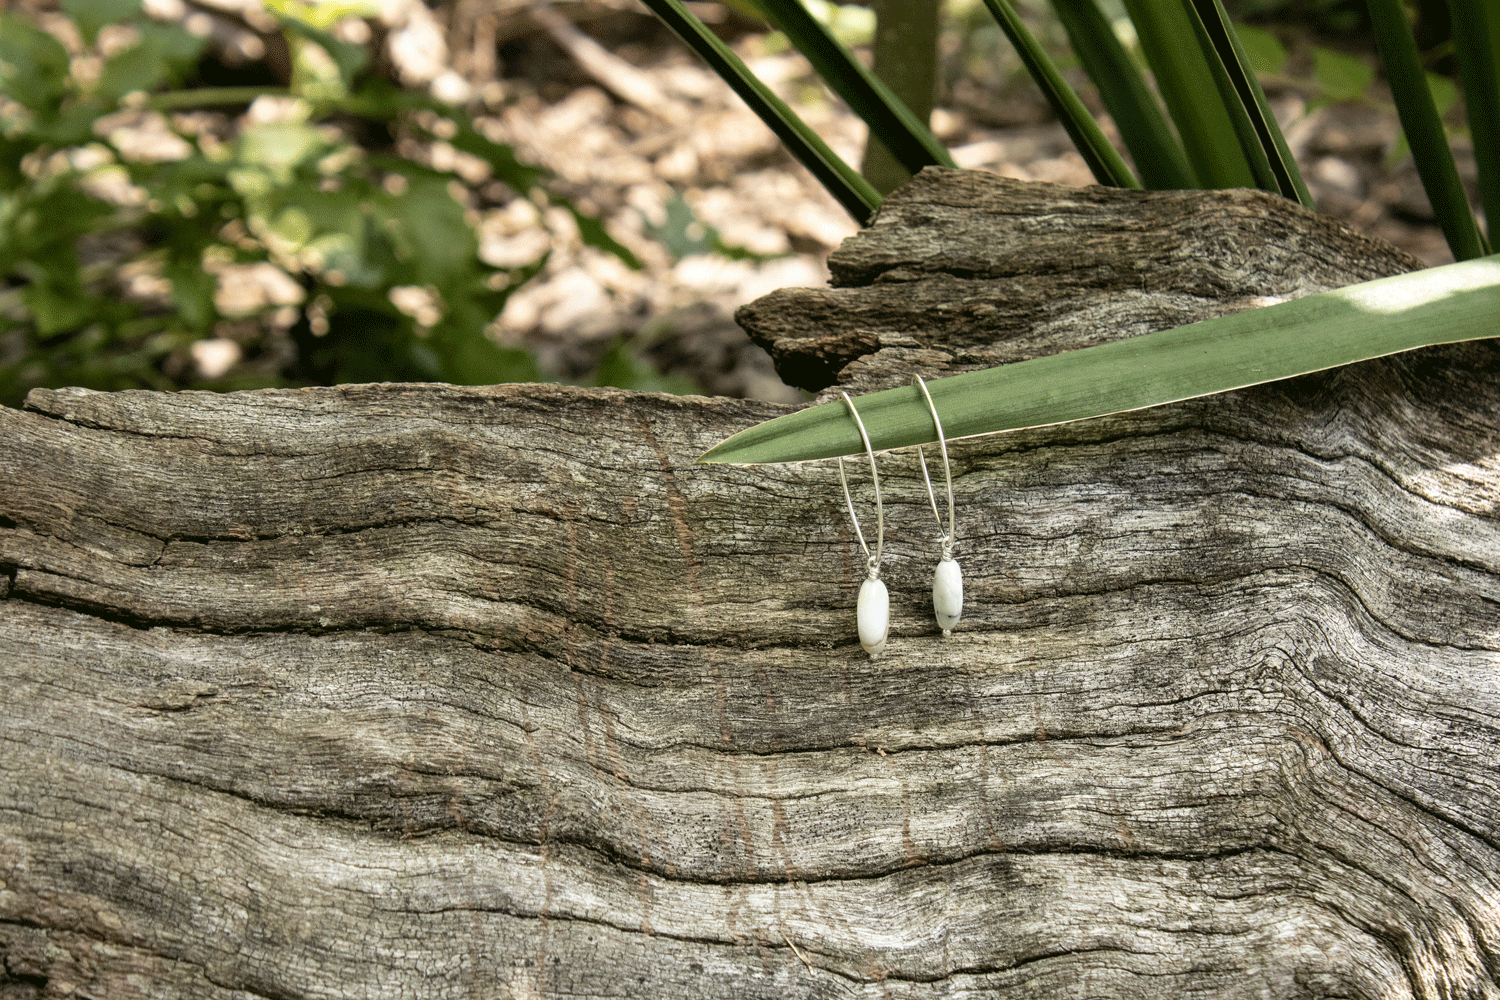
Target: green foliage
x=1337, y=76
x=366, y=261
x=1187, y=84
x=1261, y=142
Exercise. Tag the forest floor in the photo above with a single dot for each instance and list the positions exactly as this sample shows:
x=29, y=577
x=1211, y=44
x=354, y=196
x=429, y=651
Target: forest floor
x=638, y=131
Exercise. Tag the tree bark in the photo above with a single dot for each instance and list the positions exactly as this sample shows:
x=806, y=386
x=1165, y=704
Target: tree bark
x=417, y=690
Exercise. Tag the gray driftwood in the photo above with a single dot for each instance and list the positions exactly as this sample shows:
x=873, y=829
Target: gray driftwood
x=422, y=691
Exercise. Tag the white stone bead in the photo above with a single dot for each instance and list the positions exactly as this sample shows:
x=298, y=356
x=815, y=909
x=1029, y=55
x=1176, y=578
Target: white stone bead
x=874, y=610
x=948, y=594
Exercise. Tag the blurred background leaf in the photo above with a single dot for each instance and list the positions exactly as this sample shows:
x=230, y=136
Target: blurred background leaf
x=364, y=264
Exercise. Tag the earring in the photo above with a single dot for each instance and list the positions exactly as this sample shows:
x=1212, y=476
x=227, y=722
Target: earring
x=874, y=607
x=948, y=579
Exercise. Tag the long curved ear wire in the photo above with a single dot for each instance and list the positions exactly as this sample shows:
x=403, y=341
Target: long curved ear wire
x=874, y=606
x=948, y=579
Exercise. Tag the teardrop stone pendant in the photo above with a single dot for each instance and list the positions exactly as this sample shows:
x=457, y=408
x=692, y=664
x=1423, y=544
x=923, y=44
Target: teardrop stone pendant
x=948, y=594
x=874, y=612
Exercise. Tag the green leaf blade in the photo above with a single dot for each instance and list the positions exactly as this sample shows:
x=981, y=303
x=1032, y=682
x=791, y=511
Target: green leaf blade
x=1158, y=155
x=1261, y=140
x=1476, y=37
x=1423, y=127
x=1437, y=306
x=1108, y=166
x=842, y=181
x=1188, y=86
x=903, y=134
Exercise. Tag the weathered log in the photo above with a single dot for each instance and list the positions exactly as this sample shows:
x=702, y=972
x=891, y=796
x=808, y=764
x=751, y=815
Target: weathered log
x=965, y=270
x=413, y=690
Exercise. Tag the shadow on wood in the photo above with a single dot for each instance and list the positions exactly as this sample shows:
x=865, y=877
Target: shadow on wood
x=415, y=690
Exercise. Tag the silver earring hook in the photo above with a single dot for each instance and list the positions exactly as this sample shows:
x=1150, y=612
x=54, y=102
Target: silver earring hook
x=947, y=471
x=872, y=563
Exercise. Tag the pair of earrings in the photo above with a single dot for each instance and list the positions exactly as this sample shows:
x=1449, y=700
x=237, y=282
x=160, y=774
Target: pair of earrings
x=873, y=608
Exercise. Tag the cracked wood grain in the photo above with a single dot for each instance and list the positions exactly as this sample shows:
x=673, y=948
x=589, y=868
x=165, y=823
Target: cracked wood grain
x=415, y=690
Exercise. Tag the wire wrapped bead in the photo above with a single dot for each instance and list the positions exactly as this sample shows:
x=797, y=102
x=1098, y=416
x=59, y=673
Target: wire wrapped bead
x=948, y=594
x=874, y=615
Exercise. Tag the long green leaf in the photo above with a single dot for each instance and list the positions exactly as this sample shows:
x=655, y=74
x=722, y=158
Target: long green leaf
x=1440, y=305
x=1233, y=101
x=1476, y=37
x=842, y=181
x=906, y=136
x=1261, y=140
x=1157, y=153
x=1165, y=28
x=1106, y=163
x=1424, y=129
